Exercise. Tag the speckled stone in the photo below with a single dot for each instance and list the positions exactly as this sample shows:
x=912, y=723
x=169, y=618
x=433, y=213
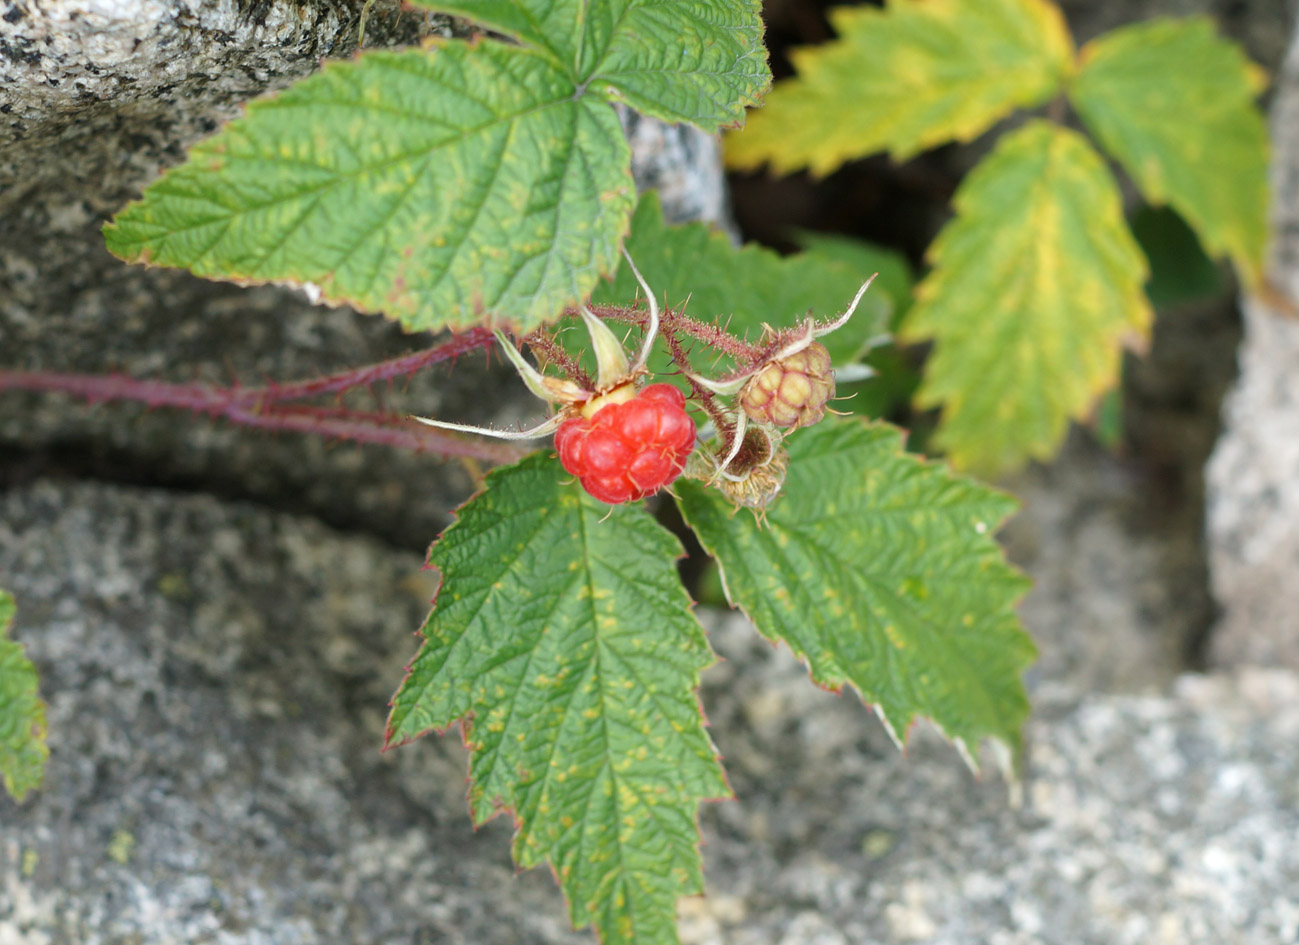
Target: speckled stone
x=1253, y=477
x=1145, y=819
x=217, y=678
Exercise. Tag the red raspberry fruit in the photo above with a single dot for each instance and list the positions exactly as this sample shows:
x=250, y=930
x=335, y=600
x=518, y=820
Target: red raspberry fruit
x=626, y=451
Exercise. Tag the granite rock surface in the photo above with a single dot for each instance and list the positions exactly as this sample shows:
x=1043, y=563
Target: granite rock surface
x=1253, y=478
x=217, y=677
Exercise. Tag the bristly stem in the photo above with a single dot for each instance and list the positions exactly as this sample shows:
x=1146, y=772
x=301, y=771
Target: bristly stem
x=543, y=346
x=404, y=366
x=251, y=407
x=714, y=336
x=273, y=406
x=703, y=395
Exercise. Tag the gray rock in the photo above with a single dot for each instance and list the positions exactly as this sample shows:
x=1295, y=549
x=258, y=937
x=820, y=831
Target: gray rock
x=1118, y=589
x=217, y=678
x=1253, y=478
x=1144, y=819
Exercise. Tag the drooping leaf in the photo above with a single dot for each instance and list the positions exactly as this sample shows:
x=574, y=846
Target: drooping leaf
x=880, y=570
x=911, y=76
x=699, y=61
x=697, y=266
x=1175, y=103
x=563, y=639
x=455, y=182
x=23, y=751
x=1035, y=287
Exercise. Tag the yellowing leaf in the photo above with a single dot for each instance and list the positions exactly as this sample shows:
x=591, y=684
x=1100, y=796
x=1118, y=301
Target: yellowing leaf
x=23, y=751
x=1036, y=285
x=907, y=78
x=1174, y=103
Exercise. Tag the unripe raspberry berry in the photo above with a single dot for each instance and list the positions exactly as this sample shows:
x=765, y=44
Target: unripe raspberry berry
x=626, y=451
x=791, y=392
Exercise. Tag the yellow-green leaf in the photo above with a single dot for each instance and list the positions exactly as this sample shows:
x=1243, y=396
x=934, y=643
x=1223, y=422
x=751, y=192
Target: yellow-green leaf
x=906, y=78
x=1036, y=285
x=23, y=751
x=1174, y=103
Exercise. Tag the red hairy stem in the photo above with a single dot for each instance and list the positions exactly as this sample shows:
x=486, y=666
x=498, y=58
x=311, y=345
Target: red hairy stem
x=471, y=340
x=701, y=394
x=379, y=429
x=241, y=406
x=670, y=321
x=543, y=346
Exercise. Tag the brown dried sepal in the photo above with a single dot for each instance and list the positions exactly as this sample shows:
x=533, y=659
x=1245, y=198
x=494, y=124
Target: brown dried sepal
x=758, y=487
x=756, y=474
x=791, y=392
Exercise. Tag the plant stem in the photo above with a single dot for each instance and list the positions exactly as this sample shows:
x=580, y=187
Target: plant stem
x=543, y=346
x=712, y=335
x=707, y=400
x=403, y=366
x=253, y=407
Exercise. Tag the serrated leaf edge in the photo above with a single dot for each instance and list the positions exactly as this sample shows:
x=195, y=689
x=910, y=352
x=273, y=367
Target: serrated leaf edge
x=1006, y=757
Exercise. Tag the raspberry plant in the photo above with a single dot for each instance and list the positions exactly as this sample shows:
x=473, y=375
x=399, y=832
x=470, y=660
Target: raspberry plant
x=484, y=186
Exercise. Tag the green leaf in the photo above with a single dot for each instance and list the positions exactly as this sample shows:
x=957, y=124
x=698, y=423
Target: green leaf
x=896, y=279
x=463, y=180
x=23, y=751
x=563, y=639
x=696, y=266
x=888, y=391
x=1175, y=104
x=1107, y=424
x=1036, y=285
x=430, y=185
x=880, y=570
x=700, y=61
x=914, y=75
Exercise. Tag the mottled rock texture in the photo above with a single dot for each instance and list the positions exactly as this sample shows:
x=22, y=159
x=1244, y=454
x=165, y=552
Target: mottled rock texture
x=1254, y=475
x=217, y=677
